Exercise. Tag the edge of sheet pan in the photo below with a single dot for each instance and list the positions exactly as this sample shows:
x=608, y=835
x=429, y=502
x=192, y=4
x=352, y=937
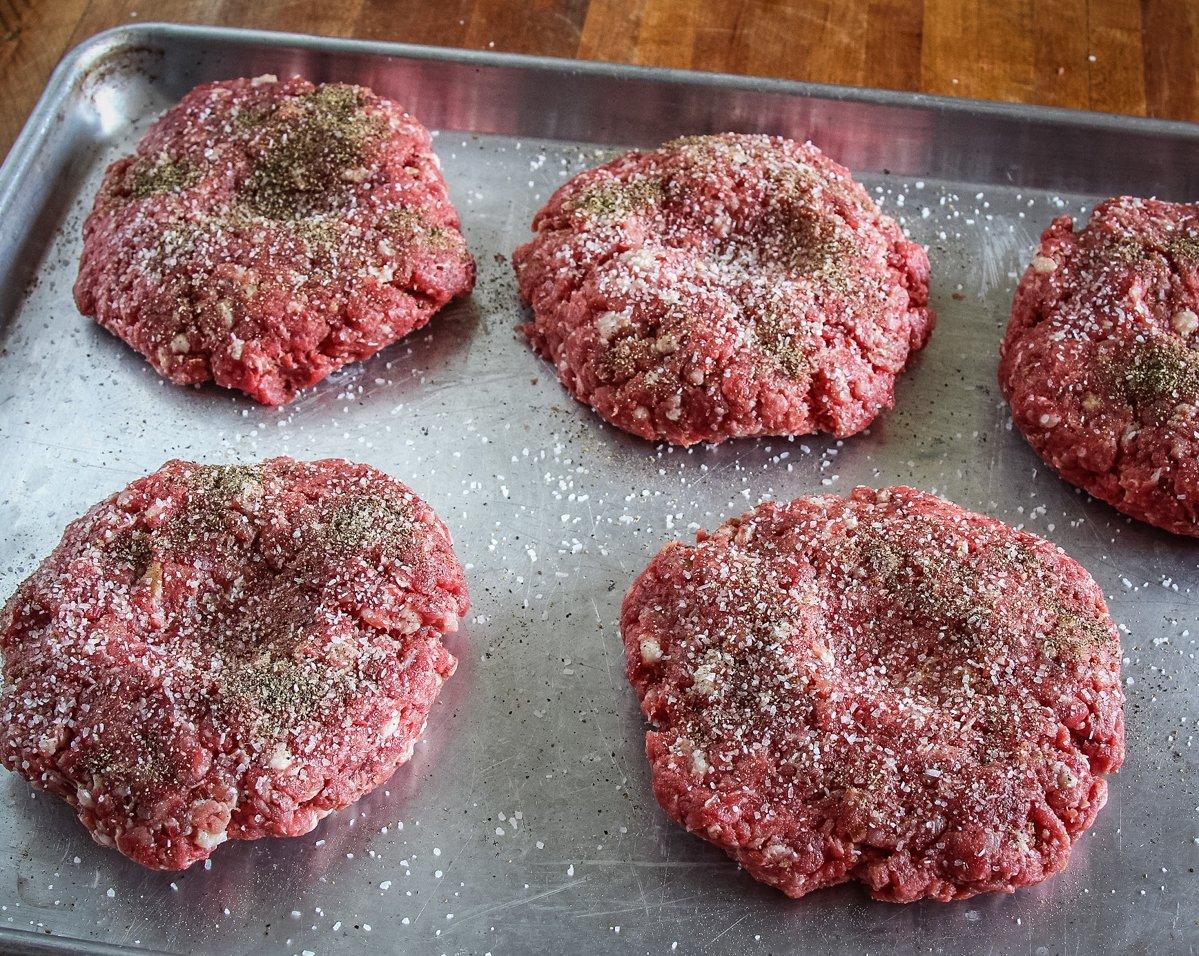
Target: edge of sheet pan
x=91, y=53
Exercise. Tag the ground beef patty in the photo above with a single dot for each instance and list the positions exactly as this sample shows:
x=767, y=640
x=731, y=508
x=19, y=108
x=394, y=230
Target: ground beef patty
x=266, y=233
x=724, y=286
x=228, y=652
x=883, y=688
x=1100, y=361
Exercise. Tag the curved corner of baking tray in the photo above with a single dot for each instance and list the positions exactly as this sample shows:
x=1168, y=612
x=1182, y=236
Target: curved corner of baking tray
x=79, y=66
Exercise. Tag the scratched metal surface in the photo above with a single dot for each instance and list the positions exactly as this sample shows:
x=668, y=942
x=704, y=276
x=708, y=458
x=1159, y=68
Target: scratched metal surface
x=525, y=816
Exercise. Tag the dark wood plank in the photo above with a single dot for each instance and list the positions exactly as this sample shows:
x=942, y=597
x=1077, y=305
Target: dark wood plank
x=1117, y=74
x=33, y=37
x=1171, y=61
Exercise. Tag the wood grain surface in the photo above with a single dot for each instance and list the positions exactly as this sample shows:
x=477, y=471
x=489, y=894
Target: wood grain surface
x=1124, y=56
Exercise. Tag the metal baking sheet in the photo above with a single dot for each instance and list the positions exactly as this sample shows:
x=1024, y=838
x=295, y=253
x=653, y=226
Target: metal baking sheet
x=525, y=819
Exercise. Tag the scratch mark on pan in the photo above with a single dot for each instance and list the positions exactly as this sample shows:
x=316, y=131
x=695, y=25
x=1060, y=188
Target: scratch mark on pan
x=513, y=903
x=645, y=864
x=637, y=909
x=1000, y=252
x=729, y=927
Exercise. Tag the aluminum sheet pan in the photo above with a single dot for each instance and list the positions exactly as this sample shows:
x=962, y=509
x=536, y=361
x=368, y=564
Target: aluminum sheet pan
x=525, y=822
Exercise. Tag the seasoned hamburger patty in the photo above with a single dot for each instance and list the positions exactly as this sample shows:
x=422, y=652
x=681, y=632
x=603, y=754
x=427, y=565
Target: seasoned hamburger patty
x=724, y=286
x=1101, y=359
x=883, y=688
x=228, y=652
x=266, y=233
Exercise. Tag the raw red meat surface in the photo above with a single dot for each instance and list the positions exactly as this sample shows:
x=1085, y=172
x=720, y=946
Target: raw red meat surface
x=1101, y=359
x=724, y=286
x=266, y=233
x=883, y=688
x=228, y=652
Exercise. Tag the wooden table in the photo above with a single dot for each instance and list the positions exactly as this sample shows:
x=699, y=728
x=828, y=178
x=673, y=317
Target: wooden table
x=1126, y=56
